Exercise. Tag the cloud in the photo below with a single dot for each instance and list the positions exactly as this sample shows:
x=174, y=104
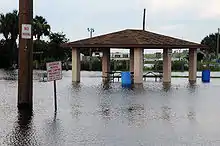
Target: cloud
x=8, y=5
x=200, y=8
x=210, y=9
x=186, y=18
x=163, y=5
x=172, y=27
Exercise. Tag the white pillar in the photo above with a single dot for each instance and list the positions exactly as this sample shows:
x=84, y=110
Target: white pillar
x=76, y=65
x=192, y=65
x=138, y=66
x=132, y=60
x=105, y=63
x=167, y=54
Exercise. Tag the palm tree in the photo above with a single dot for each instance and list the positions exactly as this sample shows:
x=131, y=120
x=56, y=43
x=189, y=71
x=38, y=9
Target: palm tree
x=10, y=29
x=3, y=26
x=40, y=27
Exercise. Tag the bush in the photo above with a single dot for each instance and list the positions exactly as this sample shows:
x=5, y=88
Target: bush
x=179, y=66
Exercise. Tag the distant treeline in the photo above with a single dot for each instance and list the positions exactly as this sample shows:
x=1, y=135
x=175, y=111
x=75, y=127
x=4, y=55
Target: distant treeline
x=44, y=51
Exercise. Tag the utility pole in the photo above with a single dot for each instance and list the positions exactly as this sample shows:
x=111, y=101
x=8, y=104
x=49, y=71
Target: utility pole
x=218, y=43
x=90, y=30
x=25, y=70
x=144, y=21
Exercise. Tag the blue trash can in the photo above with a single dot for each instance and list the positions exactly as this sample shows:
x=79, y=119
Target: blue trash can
x=126, y=79
x=206, y=76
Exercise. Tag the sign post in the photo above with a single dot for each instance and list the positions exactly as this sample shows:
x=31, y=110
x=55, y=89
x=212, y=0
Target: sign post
x=54, y=72
x=55, y=95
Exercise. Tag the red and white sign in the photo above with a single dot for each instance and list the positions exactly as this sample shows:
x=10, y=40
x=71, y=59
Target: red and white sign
x=54, y=71
x=26, y=31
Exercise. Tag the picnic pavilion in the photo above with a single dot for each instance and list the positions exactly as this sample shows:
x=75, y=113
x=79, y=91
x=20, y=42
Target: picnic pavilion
x=136, y=41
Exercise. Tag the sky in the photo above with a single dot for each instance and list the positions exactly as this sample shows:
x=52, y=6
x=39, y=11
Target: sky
x=186, y=19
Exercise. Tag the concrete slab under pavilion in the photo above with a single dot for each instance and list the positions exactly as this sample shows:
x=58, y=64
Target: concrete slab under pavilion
x=136, y=41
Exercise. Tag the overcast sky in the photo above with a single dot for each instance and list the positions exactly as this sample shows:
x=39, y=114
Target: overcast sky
x=188, y=19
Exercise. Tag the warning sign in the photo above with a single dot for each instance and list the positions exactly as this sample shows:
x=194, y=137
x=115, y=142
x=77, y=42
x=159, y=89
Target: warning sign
x=54, y=71
x=26, y=31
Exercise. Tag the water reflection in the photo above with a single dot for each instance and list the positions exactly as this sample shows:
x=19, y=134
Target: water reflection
x=93, y=115
x=166, y=87
x=136, y=115
x=106, y=85
x=166, y=112
x=192, y=87
x=23, y=133
x=105, y=112
x=76, y=86
x=53, y=132
x=8, y=75
x=191, y=115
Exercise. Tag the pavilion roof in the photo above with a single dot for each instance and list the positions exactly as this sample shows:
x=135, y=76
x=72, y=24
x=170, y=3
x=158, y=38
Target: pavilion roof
x=131, y=38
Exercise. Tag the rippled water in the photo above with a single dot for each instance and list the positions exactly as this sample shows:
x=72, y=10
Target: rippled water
x=89, y=114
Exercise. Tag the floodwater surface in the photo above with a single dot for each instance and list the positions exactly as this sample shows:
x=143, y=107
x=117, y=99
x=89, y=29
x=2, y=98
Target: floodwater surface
x=90, y=114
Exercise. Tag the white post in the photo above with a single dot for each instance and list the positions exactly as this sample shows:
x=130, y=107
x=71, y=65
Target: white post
x=106, y=64
x=138, y=67
x=192, y=65
x=167, y=54
x=75, y=65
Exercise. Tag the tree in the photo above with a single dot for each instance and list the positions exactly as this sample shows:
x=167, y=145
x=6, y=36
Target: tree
x=9, y=25
x=40, y=27
x=55, y=51
x=9, y=29
x=211, y=42
x=3, y=26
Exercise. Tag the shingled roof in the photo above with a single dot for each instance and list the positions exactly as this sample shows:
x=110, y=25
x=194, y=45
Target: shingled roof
x=130, y=38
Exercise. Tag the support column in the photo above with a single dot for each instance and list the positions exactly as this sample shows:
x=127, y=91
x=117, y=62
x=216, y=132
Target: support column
x=138, y=67
x=167, y=53
x=76, y=65
x=192, y=65
x=132, y=60
x=105, y=64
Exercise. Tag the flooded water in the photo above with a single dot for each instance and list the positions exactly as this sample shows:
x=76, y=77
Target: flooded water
x=89, y=114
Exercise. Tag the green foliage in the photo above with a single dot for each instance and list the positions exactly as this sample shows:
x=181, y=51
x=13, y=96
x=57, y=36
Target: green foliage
x=40, y=27
x=211, y=42
x=42, y=51
x=96, y=64
x=54, y=47
x=179, y=65
x=9, y=25
x=119, y=65
x=200, y=56
x=158, y=66
x=150, y=56
x=176, y=65
x=4, y=55
x=9, y=29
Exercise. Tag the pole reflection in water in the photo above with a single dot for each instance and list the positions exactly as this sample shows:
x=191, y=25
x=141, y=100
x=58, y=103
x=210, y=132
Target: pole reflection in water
x=136, y=115
x=192, y=87
x=166, y=87
x=76, y=86
x=54, y=132
x=22, y=134
x=106, y=85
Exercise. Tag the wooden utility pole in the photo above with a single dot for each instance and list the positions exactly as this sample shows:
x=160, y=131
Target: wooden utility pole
x=25, y=70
